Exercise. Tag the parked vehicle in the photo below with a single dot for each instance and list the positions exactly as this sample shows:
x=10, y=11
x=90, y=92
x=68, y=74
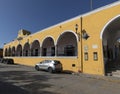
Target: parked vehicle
x=8, y=61
x=49, y=65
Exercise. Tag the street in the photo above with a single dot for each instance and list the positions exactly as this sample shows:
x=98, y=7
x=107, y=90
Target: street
x=19, y=79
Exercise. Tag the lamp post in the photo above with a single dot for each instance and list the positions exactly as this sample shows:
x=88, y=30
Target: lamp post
x=81, y=35
x=79, y=38
x=84, y=34
x=76, y=27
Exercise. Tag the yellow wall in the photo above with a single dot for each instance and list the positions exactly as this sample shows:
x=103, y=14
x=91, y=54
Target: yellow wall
x=55, y=33
x=93, y=24
x=66, y=62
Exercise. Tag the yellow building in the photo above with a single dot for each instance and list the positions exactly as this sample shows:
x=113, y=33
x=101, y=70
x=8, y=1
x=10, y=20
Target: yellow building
x=84, y=44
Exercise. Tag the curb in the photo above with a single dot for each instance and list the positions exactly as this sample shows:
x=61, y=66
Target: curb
x=105, y=78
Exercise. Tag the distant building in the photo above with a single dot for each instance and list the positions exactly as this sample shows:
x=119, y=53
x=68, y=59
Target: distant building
x=22, y=33
x=1, y=52
x=84, y=44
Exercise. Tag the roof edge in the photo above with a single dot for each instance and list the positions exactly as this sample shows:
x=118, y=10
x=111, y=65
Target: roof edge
x=77, y=17
x=81, y=15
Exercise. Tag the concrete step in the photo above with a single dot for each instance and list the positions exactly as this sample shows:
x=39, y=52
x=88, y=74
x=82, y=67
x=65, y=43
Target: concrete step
x=116, y=73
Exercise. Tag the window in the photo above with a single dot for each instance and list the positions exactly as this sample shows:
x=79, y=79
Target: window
x=32, y=52
x=95, y=56
x=26, y=53
x=36, y=52
x=86, y=56
x=69, y=50
x=53, y=51
x=20, y=53
x=44, y=51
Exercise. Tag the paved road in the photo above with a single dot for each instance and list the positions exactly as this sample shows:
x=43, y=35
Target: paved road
x=19, y=79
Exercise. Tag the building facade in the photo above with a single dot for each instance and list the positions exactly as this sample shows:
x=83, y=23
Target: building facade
x=82, y=44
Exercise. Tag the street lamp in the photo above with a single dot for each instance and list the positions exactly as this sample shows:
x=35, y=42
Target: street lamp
x=76, y=28
x=81, y=35
x=78, y=34
x=84, y=34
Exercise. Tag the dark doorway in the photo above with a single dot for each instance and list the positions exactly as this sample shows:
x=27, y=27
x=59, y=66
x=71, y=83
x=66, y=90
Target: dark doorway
x=111, y=41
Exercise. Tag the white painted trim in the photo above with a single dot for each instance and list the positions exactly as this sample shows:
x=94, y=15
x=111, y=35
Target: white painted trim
x=26, y=44
x=66, y=32
x=68, y=57
x=34, y=41
x=57, y=57
x=18, y=45
x=59, y=24
x=54, y=57
x=49, y=36
x=102, y=8
x=77, y=17
x=81, y=15
x=101, y=34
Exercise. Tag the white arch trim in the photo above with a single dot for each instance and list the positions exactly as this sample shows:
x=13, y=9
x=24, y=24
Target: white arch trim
x=25, y=45
x=101, y=34
x=66, y=32
x=33, y=42
x=46, y=38
x=19, y=45
x=13, y=47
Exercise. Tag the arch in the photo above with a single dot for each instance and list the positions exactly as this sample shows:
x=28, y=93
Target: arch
x=48, y=47
x=67, y=44
x=101, y=34
x=46, y=38
x=9, y=52
x=65, y=32
x=109, y=35
x=6, y=52
x=19, y=50
x=13, y=51
x=26, y=49
x=35, y=48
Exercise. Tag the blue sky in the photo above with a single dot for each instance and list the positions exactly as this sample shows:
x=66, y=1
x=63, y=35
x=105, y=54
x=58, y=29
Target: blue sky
x=34, y=15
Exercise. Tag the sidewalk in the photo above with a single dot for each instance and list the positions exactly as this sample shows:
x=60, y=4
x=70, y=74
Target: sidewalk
x=105, y=78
